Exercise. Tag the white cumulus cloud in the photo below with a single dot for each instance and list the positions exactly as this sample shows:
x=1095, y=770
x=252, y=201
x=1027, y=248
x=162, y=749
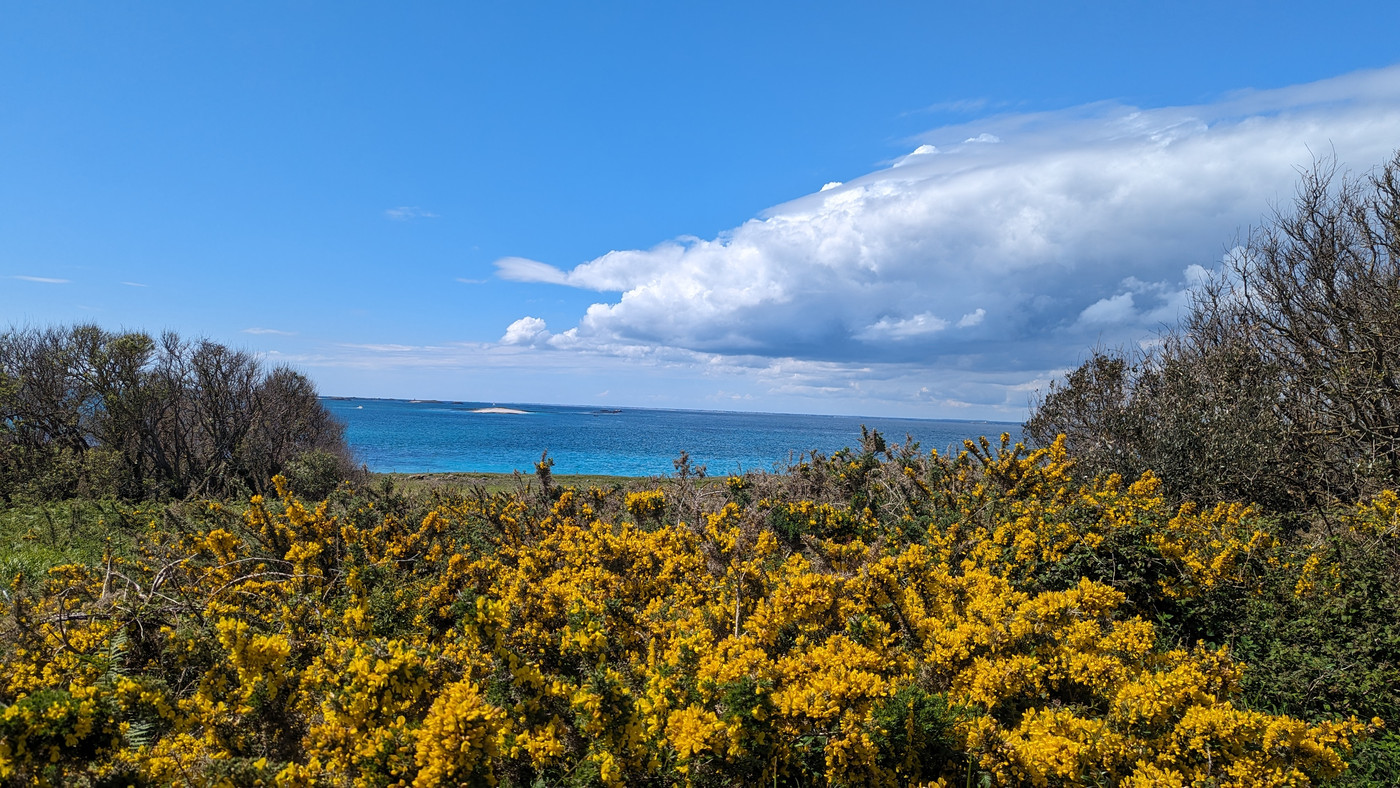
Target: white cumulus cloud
x=973, y=318
x=525, y=331
x=1064, y=228
x=1110, y=311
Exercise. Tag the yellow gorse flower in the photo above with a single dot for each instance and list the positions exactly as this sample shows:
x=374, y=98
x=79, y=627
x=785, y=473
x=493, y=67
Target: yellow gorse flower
x=908, y=639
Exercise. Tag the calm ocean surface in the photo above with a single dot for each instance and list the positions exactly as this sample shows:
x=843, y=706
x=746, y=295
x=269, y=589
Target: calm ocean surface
x=423, y=437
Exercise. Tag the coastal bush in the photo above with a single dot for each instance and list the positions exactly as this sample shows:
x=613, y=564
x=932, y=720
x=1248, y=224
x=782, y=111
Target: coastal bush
x=315, y=473
x=90, y=413
x=880, y=617
x=1281, y=384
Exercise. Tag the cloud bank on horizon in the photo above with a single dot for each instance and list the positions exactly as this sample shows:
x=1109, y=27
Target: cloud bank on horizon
x=972, y=270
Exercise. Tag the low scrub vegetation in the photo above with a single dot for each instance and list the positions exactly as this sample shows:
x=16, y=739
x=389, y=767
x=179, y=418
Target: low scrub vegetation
x=882, y=616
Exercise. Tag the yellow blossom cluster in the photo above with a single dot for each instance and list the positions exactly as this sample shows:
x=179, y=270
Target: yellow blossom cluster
x=927, y=628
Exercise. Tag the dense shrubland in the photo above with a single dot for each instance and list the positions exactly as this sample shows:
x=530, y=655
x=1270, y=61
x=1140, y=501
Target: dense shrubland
x=86, y=412
x=1280, y=387
x=883, y=616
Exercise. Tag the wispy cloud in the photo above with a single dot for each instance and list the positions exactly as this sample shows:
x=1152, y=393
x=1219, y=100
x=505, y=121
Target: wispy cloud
x=386, y=347
x=972, y=106
x=134, y=284
x=898, y=329
x=272, y=331
x=973, y=318
x=466, y=281
x=521, y=269
x=404, y=213
x=992, y=254
x=44, y=280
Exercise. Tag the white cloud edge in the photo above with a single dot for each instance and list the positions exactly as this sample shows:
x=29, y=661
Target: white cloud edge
x=43, y=280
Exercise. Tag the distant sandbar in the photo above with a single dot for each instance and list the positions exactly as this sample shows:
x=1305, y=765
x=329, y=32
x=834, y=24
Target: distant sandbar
x=499, y=410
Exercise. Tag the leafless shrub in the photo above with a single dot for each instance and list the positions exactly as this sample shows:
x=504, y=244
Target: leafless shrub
x=160, y=417
x=1282, y=383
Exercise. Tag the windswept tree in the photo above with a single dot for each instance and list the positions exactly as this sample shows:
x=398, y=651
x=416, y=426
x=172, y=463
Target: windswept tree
x=1282, y=382
x=87, y=410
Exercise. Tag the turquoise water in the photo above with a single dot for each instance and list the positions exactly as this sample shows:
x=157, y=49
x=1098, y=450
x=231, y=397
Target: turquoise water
x=424, y=437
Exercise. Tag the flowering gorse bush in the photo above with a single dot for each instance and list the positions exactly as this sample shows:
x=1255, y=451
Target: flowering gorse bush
x=876, y=618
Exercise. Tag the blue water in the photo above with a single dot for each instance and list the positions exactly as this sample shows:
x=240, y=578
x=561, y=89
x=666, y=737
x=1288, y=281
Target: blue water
x=424, y=437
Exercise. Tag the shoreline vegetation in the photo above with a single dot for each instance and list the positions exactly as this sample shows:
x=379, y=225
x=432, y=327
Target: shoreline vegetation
x=883, y=616
x=1188, y=576
x=462, y=482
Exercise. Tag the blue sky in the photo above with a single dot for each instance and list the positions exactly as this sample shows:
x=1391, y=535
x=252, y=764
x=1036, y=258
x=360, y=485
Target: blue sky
x=623, y=204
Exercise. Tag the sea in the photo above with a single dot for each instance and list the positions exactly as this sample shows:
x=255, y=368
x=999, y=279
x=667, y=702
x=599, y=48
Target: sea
x=418, y=436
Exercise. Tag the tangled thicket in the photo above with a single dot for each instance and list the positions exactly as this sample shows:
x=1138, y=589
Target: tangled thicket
x=880, y=617
x=89, y=412
x=1281, y=385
